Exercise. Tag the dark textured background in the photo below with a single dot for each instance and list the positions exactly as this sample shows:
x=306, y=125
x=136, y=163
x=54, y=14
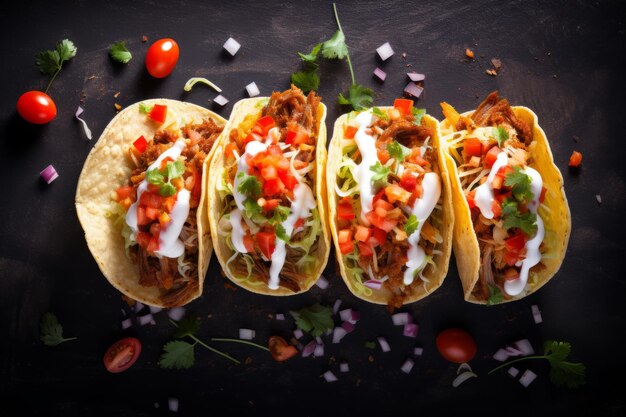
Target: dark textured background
x=563, y=59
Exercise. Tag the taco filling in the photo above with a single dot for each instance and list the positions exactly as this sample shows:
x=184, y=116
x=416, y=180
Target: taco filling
x=159, y=204
x=270, y=217
x=388, y=189
x=492, y=151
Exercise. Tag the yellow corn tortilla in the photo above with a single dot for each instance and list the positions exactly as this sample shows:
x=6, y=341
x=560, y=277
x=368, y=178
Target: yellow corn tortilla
x=243, y=108
x=557, y=219
x=107, y=168
x=434, y=275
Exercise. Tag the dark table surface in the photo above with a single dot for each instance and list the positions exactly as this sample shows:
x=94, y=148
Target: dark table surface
x=562, y=59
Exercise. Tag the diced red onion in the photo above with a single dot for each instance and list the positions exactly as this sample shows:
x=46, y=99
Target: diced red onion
x=512, y=351
x=418, y=351
x=329, y=376
x=400, y=319
x=415, y=77
x=413, y=89
x=143, y=320
x=176, y=313
x=232, y=46
x=309, y=348
x=319, y=340
x=384, y=51
x=536, y=314
x=86, y=129
x=49, y=174
x=322, y=282
x=246, y=334
x=172, y=404
x=343, y=367
x=527, y=377
x=356, y=316
x=462, y=378
x=373, y=284
x=380, y=74
x=346, y=315
x=524, y=347
x=410, y=330
x=384, y=345
x=298, y=333
x=348, y=327
x=407, y=366
x=501, y=355
x=300, y=346
x=319, y=351
x=253, y=90
x=126, y=323
x=154, y=309
x=338, y=334
x=280, y=316
x=336, y=306
x=220, y=100
x=513, y=371
x=138, y=306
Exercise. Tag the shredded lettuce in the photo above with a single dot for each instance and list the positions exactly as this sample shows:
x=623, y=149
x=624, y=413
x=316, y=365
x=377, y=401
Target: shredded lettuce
x=356, y=273
x=315, y=229
x=117, y=214
x=306, y=264
x=223, y=187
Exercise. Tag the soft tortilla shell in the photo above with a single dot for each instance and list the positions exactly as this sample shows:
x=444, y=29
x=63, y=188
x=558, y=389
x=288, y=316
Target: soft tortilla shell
x=466, y=248
x=215, y=205
x=436, y=276
x=107, y=168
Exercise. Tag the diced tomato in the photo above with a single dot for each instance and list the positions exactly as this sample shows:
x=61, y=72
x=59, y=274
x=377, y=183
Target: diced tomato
x=575, y=159
x=496, y=208
x=472, y=147
x=403, y=105
x=511, y=258
x=498, y=182
x=142, y=219
x=378, y=196
x=273, y=187
x=344, y=235
x=271, y=204
x=516, y=243
x=408, y=181
x=500, y=196
x=383, y=204
x=380, y=235
x=362, y=233
x=158, y=113
x=266, y=242
x=155, y=229
x=299, y=223
x=296, y=137
x=142, y=239
x=269, y=172
x=229, y=150
x=365, y=249
x=283, y=165
x=196, y=191
x=248, y=243
x=470, y=199
x=349, y=132
x=251, y=138
x=346, y=248
x=151, y=199
x=152, y=213
x=415, y=153
x=396, y=193
x=124, y=192
x=383, y=156
x=168, y=203
x=345, y=210
x=266, y=123
x=274, y=150
x=288, y=180
x=542, y=196
x=140, y=144
x=491, y=156
x=164, y=219
x=386, y=224
x=153, y=245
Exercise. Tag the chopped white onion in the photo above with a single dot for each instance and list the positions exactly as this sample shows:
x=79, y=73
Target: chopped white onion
x=232, y=46
x=154, y=309
x=599, y=198
x=49, y=174
x=329, y=376
x=501, y=355
x=138, y=306
x=143, y=320
x=252, y=90
x=513, y=371
x=527, y=377
x=319, y=351
x=400, y=319
x=463, y=367
x=86, y=129
x=220, y=100
x=336, y=306
x=512, y=351
x=373, y=284
x=418, y=351
x=246, y=334
x=343, y=367
x=415, y=77
x=524, y=347
x=319, y=340
x=349, y=327
x=346, y=315
x=384, y=345
x=462, y=378
x=536, y=314
x=338, y=334
x=126, y=323
x=413, y=89
x=380, y=74
x=407, y=366
x=309, y=349
x=410, y=330
x=298, y=333
x=280, y=316
x=384, y=51
x=172, y=404
x=322, y=282
x=176, y=313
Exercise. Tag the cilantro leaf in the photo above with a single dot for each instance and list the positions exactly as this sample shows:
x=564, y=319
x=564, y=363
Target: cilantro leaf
x=174, y=169
x=376, y=111
x=50, y=62
x=253, y=211
x=500, y=134
x=411, y=225
x=52, y=331
x=280, y=215
x=527, y=222
x=281, y=233
x=359, y=97
x=171, y=171
x=315, y=319
x=177, y=355
x=418, y=114
x=249, y=186
x=380, y=173
x=66, y=50
x=187, y=327
x=519, y=182
x=306, y=80
x=495, y=295
x=311, y=57
x=397, y=151
x=335, y=47
x=145, y=108
x=119, y=53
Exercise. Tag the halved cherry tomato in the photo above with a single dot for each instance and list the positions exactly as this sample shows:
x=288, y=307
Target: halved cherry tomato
x=36, y=107
x=575, y=159
x=280, y=349
x=266, y=242
x=403, y=105
x=345, y=210
x=141, y=144
x=349, y=132
x=456, y=345
x=472, y=147
x=122, y=354
x=491, y=156
x=158, y=113
x=162, y=57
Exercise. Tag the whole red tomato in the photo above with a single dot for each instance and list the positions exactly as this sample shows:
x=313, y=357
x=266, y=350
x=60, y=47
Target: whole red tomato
x=36, y=107
x=162, y=57
x=456, y=345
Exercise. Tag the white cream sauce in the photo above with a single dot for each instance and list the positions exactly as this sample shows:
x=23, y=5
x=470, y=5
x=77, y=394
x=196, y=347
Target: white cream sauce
x=484, y=193
x=369, y=157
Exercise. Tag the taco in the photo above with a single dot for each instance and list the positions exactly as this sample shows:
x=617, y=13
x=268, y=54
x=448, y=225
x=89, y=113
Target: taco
x=267, y=194
x=141, y=200
x=512, y=218
x=389, y=203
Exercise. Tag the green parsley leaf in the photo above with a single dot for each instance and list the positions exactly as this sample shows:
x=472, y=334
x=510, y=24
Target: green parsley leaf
x=145, y=108
x=171, y=171
x=249, y=186
x=418, y=114
x=280, y=215
x=495, y=295
x=315, y=319
x=359, y=97
x=527, y=222
x=370, y=344
x=187, y=327
x=281, y=233
x=306, y=80
x=50, y=62
x=335, y=47
x=411, y=225
x=519, y=182
x=177, y=355
x=52, y=331
x=376, y=111
x=253, y=211
x=380, y=174
x=500, y=134
x=311, y=57
x=397, y=151
x=119, y=53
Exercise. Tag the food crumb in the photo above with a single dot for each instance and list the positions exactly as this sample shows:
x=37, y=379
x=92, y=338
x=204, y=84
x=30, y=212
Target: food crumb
x=491, y=72
x=576, y=138
x=599, y=198
x=469, y=53
x=370, y=358
x=209, y=316
x=92, y=77
x=554, y=76
x=116, y=95
x=117, y=107
x=497, y=64
x=144, y=39
x=404, y=55
x=248, y=360
x=270, y=316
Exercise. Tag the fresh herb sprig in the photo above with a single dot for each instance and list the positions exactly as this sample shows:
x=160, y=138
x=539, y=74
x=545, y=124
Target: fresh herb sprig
x=316, y=319
x=51, y=62
x=411, y=224
x=562, y=372
x=52, y=331
x=118, y=52
x=158, y=177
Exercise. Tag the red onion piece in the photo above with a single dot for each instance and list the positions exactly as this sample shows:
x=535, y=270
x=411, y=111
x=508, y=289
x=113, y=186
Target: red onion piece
x=501, y=355
x=415, y=77
x=355, y=316
x=407, y=366
x=380, y=74
x=536, y=314
x=524, y=347
x=49, y=174
x=309, y=348
x=373, y=284
x=338, y=334
x=513, y=371
x=413, y=89
x=126, y=323
x=232, y=46
x=384, y=51
x=418, y=351
x=346, y=315
x=298, y=333
x=143, y=320
x=220, y=100
x=329, y=376
x=527, y=377
x=462, y=378
x=319, y=351
x=410, y=330
x=280, y=316
x=154, y=309
x=343, y=367
x=512, y=351
x=319, y=340
x=86, y=129
x=246, y=334
x=384, y=345
x=253, y=90
x=348, y=327
x=599, y=198
x=138, y=306
x=336, y=306
x=322, y=282
x=172, y=404
x=400, y=319
x=176, y=313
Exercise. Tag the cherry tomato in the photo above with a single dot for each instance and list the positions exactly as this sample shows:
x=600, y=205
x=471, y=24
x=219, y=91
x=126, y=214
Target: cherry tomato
x=161, y=57
x=122, y=354
x=36, y=107
x=280, y=349
x=456, y=345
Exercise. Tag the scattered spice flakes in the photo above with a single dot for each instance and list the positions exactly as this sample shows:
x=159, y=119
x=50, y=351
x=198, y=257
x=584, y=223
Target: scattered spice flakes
x=144, y=39
x=576, y=138
x=270, y=316
x=404, y=55
x=469, y=53
x=599, y=198
x=117, y=107
x=491, y=72
x=497, y=64
x=116, y=95
x=92, y=77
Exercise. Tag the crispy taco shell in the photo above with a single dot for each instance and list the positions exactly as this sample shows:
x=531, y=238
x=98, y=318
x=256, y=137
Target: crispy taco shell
x=434, y=275
x=243, y=108
x=107, y=168
x=556, y=219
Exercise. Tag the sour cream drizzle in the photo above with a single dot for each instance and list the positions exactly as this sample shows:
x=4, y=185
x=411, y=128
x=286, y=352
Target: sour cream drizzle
x=170, y=245
x=422, y=208
x=484, y=193
x=237, y=233
x=369, y=157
